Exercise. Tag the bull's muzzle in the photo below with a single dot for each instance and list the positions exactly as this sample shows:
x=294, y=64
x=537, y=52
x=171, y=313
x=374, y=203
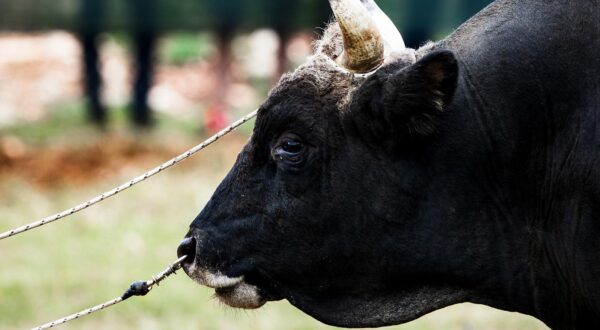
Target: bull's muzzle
x=233, y=291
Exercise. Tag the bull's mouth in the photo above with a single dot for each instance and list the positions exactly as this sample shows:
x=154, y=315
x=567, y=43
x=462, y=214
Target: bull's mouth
x=232, y=291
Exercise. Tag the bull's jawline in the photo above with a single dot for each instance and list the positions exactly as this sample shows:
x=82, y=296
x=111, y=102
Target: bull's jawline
x=377, y=309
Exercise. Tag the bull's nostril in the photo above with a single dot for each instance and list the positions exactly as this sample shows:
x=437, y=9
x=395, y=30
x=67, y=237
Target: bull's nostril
x=187, y=247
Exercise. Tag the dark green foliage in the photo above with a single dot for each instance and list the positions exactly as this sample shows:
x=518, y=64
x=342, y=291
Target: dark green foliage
x=163, y=15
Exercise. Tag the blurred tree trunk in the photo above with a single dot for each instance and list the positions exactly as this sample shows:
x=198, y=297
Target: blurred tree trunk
x=144, y=19
x=91, y=16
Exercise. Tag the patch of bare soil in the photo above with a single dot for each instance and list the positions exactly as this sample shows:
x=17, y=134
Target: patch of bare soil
x=66, y=164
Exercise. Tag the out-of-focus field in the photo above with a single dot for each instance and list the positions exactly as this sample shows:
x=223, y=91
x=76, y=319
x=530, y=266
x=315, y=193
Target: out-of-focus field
x=94, y=255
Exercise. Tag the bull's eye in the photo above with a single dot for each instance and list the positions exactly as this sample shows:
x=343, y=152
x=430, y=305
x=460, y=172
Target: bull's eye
x=289, y=149
x=292, y=146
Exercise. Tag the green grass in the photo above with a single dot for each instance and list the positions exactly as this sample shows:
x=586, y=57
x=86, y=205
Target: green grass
x=185, y=47
x=68, y=122
x=93, y=257
x=68, y=117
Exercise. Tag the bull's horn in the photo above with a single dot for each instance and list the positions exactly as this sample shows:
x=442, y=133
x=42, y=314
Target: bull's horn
x=391, y=36
x=363, y=44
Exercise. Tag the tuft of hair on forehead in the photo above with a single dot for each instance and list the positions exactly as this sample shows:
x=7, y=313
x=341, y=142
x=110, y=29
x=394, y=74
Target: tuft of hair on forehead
x=331, y=42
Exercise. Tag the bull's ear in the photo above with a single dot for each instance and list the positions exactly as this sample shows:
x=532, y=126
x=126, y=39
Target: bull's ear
x=410, y=100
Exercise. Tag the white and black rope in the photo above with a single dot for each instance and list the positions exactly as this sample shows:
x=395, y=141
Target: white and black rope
x=130, y=183
x=136, y=289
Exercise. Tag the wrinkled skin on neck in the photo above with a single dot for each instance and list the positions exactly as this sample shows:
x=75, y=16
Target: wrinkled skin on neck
x=426, y=183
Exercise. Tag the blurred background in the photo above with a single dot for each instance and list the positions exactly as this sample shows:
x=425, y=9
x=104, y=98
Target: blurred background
x=94, y=92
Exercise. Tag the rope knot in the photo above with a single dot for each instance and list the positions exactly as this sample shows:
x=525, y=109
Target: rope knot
x=138, y=288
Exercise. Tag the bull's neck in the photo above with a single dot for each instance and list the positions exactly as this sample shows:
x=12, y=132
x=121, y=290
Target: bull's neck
x=514, y=215
x=490, y=244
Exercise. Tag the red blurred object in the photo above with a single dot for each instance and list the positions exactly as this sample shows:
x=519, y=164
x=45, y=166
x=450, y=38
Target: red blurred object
x=216, y=118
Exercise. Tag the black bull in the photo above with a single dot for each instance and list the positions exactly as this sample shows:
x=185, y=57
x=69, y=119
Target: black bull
x=470, y=175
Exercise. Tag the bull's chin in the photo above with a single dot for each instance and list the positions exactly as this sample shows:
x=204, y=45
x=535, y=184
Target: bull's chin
x=242, y=295
x=376, y=309
x=232, y=291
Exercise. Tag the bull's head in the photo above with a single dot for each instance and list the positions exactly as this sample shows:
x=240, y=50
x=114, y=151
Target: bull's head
x=327, y=205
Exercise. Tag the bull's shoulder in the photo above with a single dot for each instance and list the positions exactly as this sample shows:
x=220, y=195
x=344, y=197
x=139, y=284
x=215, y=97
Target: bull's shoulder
x=532, y=49
x=511, y=29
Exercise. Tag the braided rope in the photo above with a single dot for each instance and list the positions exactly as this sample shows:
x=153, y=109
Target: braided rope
x=80, y=314
x=131, y=183
x=136, y=289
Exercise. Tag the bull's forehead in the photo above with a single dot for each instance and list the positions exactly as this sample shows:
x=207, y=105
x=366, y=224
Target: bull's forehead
x=321, y=79
x=303, y=101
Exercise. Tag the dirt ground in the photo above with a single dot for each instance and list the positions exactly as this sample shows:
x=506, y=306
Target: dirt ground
x=68, y=164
